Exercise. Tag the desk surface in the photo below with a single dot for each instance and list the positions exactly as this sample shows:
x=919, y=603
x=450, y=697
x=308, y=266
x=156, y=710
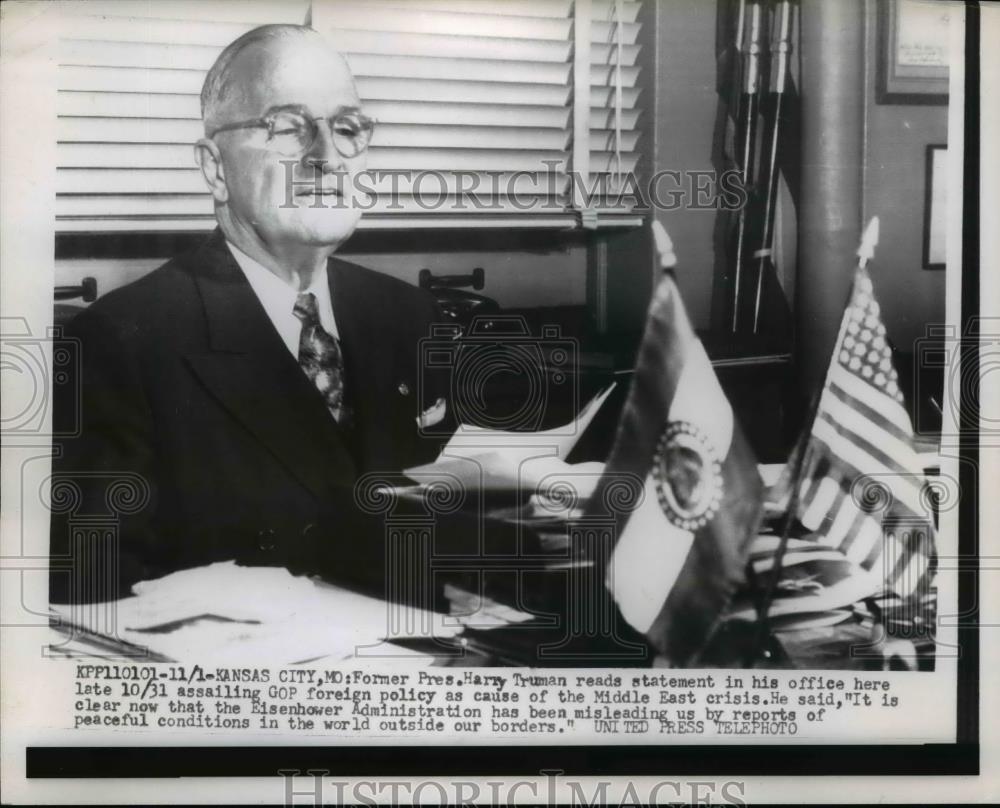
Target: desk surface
x=436, y=639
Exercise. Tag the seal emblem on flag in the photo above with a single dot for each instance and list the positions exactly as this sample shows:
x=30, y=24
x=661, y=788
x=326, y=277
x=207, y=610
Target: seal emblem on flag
x=688, y=475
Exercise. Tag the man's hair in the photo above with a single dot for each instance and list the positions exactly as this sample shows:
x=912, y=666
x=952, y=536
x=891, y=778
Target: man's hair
x=219, y=76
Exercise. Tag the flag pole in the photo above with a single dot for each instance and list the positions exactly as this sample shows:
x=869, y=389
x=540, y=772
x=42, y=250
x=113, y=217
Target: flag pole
x=866, y=250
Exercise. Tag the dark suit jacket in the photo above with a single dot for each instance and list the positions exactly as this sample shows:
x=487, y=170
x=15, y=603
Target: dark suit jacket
x=189, y=397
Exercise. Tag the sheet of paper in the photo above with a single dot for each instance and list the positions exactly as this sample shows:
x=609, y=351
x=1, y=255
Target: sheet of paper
x=470, y=441
x=485, y=459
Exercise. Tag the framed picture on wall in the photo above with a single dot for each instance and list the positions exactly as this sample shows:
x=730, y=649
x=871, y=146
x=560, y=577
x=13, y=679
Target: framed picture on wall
x=912, y=57
x=936, y=206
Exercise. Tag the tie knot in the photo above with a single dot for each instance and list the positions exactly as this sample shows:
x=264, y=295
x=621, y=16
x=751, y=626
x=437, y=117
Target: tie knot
x=306, y=308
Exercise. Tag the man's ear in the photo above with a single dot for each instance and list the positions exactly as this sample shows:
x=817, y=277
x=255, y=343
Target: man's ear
x=209, y=159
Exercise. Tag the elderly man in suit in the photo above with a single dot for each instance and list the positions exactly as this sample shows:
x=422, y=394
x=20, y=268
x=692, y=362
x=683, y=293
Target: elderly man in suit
x=246, y=386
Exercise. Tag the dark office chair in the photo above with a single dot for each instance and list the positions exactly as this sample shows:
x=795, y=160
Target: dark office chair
x=65, y=312
x=457, y=303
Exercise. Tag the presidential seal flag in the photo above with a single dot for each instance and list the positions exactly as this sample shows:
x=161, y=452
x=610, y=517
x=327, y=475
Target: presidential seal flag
x=861, y=488
x=680, y=550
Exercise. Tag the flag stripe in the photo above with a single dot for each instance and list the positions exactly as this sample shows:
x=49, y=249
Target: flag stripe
x=897, y=563
x=871, y=425
x=716, y=565
x=912, y=577
x=867, y=544
x=820, y=503
x=876, y=549
x=852, y=533
x=862, y=391
x=842, y=521
x=699, y=400
x=815, y=470
x=868, y=437
x=892, y=554
x=646, y=561
x=861, y=459
x=878, y=415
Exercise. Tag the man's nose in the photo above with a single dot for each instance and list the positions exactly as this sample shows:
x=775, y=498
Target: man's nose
x=323, y=154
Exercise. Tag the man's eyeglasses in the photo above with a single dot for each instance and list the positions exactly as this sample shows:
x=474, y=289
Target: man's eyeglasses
x=291, y=132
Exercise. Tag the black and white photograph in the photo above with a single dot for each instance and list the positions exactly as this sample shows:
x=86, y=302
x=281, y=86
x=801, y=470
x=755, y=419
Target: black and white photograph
x=393, y=376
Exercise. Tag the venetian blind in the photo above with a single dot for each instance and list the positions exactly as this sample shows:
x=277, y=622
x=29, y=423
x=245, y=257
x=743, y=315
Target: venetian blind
x=474, y=100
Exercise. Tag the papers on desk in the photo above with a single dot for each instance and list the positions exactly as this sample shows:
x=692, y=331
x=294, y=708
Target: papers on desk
x=493, y=460
x=816, y=581
x=258, y=615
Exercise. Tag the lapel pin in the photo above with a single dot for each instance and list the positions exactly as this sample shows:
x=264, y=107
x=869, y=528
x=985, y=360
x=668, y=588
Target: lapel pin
x=433, y=415
x=404, y=389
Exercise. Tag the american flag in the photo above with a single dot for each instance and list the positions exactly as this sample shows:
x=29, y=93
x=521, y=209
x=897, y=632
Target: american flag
x=862, y=488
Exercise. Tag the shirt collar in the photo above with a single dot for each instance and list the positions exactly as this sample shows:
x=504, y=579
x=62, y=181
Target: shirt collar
x=278, y=297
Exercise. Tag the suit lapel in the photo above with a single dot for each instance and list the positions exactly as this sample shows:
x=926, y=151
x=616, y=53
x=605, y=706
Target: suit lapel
x=249, y=369
x=374, y=354
x=359, y=327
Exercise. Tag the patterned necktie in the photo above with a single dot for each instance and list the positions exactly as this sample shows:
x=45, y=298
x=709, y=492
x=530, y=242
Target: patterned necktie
x=320, y=357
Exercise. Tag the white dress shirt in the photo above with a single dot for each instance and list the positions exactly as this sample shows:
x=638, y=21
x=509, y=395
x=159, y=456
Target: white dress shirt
x=278, y=299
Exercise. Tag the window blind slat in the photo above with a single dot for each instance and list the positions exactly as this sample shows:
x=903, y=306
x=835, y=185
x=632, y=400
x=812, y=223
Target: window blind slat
x=96, y=205
x=397, y=43
x=164, y=31
x=604, y=76
x=124, y=106
x=468, y=137
x=435, y=204
x=135, y=189
x=470, y=92
x=371, y=221
x=127, y=80
x=181, y=82
x=130, y=130
x=173, y=156
x=415, y=67
x=604, y=32
x=471, y=64
x=129, y=181
x=605, y=10
x=461, y=159
x=430, y=113
x=601, y=118
x=109, y=53
x=87, y=103
x=603, y=53
x=521, y=8
x=256, y=12
x=603, y=162
x=142, y=224
x=414, y=19
x=432, y=201
x=137, y=131
x=604, y=97
x=604, y=140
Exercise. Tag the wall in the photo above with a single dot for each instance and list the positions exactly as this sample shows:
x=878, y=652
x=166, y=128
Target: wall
x=684, y=114
x=894, y=177
x=681, y=48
